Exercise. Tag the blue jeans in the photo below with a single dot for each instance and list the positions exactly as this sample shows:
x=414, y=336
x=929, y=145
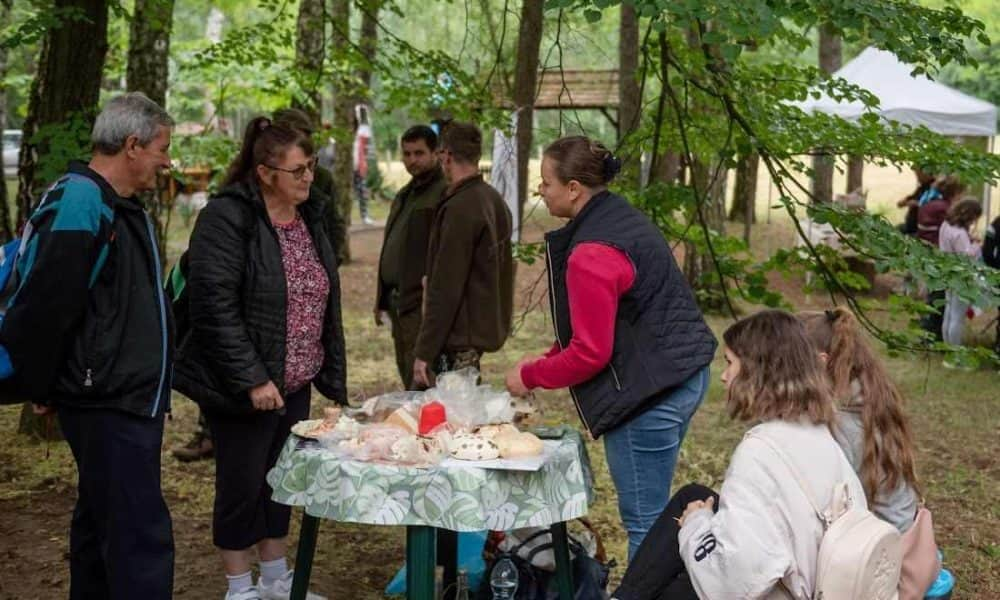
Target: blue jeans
x=642, y=454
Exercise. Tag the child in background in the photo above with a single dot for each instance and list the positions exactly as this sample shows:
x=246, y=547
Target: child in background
x=955, y=238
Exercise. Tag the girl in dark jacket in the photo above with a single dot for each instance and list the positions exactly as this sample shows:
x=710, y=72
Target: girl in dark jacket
x=265, y=323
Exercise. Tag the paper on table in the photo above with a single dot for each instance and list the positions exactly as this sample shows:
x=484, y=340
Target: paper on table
x=531, y=463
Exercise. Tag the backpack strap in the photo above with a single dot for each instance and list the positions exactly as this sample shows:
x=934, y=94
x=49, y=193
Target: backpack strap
x=824, y=516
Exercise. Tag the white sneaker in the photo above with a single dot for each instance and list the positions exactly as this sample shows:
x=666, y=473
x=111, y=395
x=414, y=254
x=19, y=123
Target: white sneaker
x=282, y=588
x=368, y=220
x=250, y=593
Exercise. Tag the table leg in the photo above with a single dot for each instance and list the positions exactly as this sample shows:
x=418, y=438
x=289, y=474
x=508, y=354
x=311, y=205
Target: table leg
x=304, y=557
x=420, y=562
x=564, y=569
x=447, y=557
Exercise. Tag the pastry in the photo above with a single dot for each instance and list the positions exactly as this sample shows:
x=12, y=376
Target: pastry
x=491, y=432
x=473, y=447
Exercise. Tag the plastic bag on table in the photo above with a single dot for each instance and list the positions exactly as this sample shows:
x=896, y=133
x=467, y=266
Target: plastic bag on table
x=378, y=408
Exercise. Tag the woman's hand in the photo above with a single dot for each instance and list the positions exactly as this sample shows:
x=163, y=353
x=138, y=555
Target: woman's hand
x=266, y=397
x=695, y=506
x=515, y=385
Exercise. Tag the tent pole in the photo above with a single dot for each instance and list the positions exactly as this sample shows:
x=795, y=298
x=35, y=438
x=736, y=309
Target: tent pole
x=988, y=189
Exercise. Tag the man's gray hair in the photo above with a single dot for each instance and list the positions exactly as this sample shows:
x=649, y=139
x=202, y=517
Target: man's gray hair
x=126, y=115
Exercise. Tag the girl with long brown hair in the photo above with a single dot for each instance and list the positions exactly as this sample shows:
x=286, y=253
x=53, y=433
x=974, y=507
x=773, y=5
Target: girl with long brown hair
x=872, y=427
x=759, y=537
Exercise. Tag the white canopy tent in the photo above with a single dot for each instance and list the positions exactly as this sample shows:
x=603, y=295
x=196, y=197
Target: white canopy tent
x=910, y=100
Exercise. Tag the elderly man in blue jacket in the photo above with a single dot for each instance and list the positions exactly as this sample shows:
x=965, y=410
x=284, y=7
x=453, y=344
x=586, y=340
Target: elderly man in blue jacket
x=88, y=335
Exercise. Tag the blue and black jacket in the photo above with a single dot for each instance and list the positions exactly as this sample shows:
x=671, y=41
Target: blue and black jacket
x=89, y=325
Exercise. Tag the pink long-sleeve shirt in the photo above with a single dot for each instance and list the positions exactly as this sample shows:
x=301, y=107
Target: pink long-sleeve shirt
x=597, y=275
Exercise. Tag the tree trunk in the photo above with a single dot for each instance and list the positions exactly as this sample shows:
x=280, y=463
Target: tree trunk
x=628, y=68
x=148, y=72
x=65, y=90
x=855, y=174
x=309, y=55
x=6, y=231
x=343, y=109
x=745, y=193
x=64, y=93
x=529, y=42
x=368, y=42
x=830, y=58
x=699, y=265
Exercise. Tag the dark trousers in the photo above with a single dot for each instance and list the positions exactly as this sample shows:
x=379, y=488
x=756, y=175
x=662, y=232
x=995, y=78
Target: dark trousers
x=246, y=448
x=121, y=540
x=657, y=571
x=405, y=329
x=932, y=322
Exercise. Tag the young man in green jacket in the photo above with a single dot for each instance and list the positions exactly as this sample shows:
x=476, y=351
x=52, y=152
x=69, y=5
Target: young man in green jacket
x=468, y=296
x=404, y=247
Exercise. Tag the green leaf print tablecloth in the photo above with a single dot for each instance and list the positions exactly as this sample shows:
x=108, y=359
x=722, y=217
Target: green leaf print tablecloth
x=456, y=498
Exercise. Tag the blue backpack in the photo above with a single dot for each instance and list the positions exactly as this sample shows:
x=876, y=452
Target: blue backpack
x=10, y=254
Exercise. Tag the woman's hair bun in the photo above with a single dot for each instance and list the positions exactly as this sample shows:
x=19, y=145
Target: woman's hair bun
x=612, y=166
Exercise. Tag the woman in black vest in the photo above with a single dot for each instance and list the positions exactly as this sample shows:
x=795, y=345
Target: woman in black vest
x=265, y=327
x=631, y=343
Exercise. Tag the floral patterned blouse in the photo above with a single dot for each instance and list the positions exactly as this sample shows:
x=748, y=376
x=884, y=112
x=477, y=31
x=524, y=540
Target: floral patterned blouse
x=308, y=289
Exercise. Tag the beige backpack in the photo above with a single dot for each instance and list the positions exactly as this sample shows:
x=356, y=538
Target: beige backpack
x=860, y=555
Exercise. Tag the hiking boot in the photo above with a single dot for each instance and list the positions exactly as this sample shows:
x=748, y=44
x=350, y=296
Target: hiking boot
x=198, y=448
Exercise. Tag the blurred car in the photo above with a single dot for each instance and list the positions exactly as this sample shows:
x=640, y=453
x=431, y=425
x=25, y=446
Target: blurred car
x=11, y=146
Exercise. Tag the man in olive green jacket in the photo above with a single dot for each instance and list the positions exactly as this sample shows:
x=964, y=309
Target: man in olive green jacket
x=404, y=248
x=468, y=298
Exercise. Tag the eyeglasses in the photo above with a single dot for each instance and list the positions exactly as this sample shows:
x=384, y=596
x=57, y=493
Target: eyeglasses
x=298, y=172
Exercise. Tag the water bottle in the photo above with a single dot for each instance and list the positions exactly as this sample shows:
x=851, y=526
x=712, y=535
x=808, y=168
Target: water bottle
x=503, y=579
x=462, y=585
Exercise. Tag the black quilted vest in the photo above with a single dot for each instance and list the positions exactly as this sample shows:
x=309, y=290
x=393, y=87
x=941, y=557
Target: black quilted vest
x=661, y=338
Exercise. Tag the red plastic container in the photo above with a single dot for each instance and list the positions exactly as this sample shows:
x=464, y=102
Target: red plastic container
x=431, y=415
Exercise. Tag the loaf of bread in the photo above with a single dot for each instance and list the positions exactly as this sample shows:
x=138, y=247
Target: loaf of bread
x=491, y=432
x=518, y=445
x=473, y=447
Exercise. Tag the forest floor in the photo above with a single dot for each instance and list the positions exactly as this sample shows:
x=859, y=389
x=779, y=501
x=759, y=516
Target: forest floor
x=955, y=416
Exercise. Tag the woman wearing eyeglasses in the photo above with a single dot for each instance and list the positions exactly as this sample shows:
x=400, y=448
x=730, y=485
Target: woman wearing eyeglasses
x=265, y=324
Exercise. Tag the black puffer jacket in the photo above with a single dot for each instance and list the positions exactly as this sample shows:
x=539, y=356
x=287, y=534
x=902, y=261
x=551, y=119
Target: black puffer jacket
x=237, y=290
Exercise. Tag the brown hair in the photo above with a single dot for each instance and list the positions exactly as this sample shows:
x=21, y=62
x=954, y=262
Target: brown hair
x=582, y=159
x=887, y=458
x=264, y=142
x=463, y=140
x=780, y=374
x=949, y=186
x=964, y=213
x=294, y=118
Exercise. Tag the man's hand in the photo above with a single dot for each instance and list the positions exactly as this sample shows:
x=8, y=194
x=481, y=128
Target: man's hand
x=695, y=506
x=421, y=374
x=381, y=317
x=266, y=397
x=41, y=409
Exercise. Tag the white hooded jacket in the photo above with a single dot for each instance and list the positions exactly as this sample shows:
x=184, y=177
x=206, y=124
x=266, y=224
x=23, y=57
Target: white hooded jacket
x=764, y=540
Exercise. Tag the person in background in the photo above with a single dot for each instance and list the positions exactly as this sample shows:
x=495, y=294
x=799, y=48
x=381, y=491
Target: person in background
x=399, y=292
x=631, y=343
x=759, y=537
x=323, y=191
x=264, y=298
x=89, y=335
x=991, y=258
x=361, y=148
x=912, y=201
x=933, y=207
x=469, y=291
x=955, y=238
